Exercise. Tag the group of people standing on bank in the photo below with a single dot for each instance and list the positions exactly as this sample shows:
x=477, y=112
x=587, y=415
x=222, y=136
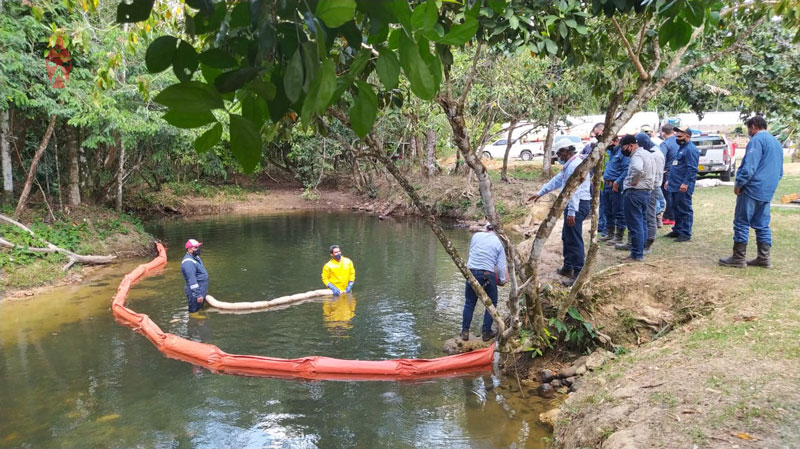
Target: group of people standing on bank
x=646, y=185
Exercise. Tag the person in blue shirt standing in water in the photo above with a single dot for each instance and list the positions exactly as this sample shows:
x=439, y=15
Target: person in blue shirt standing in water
x=487, y=262
x=576, y=211
x=756, y=181
x=195, y=275
x=680, y=185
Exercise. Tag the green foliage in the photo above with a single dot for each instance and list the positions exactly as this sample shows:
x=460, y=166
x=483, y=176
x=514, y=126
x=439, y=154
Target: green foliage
x=576, y=330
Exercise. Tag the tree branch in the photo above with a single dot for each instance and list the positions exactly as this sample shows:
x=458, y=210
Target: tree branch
x=470, y=76
x=631, y=54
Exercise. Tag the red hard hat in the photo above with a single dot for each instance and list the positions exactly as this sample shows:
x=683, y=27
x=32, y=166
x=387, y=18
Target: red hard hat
x=192, y=243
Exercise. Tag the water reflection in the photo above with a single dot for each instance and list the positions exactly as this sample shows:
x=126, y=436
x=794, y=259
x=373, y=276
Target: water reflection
x=81, y=380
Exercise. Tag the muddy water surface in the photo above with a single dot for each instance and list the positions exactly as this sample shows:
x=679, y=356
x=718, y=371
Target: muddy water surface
x=71, y=377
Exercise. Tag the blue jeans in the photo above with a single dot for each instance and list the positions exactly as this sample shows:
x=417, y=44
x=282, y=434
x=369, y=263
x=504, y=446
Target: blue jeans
x=750, y=213
x=652, y=211
x=616, y=211
x=572, y=238
x=636, y=202
x=682, y=213
x=194, y=306
x=667, y=201
x=488, y=281
x=606, y=212
x=662, y=202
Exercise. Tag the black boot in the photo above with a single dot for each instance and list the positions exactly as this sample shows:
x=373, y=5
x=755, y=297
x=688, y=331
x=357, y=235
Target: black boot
x=610, y=234
x=617, y=238
x=624, y=246
x=647, y=245
x=738, y=259
x=564, y=271
x=763, y=256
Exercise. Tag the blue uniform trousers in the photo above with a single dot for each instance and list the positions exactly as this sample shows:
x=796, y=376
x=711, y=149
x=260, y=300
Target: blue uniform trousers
x=572, y=238
x=682, y=213
x=751, y=213
x=667, y=201
x=636, y=202
x=488, y=281
x=652, y=211
x=616, y=210
x=194, y=306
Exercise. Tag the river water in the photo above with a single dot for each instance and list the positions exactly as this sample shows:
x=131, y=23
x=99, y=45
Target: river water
x=72, y=377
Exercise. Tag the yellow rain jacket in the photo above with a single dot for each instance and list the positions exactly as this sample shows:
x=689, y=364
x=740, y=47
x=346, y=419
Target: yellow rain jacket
x=339, y=272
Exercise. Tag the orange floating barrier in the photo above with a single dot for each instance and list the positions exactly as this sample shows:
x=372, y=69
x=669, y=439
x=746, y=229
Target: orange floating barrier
x=319, y=368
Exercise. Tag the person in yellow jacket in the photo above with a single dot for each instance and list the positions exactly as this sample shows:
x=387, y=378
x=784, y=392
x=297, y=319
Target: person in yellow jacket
x=338, y=274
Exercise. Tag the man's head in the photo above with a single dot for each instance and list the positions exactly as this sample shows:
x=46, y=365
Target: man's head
x=564, y=149
x=755, y=124
x=597, y=130
x=643, y=140
x=193, y=246
x=647, y=130
x=667, y=130
x=628, y=144
x=682, y=136
x=336, y=253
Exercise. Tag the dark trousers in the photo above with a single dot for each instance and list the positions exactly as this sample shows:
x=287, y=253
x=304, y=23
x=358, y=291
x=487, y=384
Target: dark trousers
x=488, y=281
x=194, y=306
x=668, y=210
x=750, y=213
x=602, y=221
x=682, y=212
x=572, y=238
x=615, y=211
x=636, y=202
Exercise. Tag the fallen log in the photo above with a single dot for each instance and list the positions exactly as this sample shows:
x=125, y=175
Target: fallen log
x=51, y=249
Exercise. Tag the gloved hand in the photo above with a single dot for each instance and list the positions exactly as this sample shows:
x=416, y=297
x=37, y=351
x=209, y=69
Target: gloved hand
x=349, y=287
x=334, y=289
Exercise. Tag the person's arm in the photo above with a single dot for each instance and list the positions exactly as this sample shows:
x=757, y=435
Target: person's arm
x=326, y=279
x=352, y=278
x=750, y=161
x=556, y=183
x=190, y=274
x=624, y=163
x=636, y=168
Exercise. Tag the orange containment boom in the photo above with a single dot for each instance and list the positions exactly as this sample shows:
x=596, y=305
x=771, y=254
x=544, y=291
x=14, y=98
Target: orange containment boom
x=322, y=368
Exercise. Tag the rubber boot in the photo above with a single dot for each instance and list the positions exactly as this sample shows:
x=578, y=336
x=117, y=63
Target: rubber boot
x=617, y=237
x=647, y=246
x=624, y=246
x=738, y=259
x=763, y=257
x=611, y=232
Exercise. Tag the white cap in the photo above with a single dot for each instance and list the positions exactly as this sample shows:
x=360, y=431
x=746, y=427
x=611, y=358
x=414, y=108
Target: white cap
x=561, y=144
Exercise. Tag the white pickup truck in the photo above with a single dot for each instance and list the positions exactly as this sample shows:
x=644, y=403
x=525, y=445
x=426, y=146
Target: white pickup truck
x=525, y=149
x=716, y=155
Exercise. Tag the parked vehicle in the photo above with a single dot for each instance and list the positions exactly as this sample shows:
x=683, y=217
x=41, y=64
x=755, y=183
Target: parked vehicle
x=716, y=155
x=520, y=149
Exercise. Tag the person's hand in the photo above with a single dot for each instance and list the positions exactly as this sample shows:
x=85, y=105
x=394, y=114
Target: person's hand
x=570, y=220
x=534, y=197
x=684, y=188
x=737, y=190
x=666, y=184
x=615, y=186
x=349, y=287
x=201, y=299
x=334, y=289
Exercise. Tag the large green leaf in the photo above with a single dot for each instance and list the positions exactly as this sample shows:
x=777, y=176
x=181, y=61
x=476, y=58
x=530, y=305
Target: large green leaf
x=681, y=34
x=336, y=13
x=254, y=108
x=461, y=33
x=208, y=139
x=415, y=68
x=425, y=16
x=240, y=16
x=192, y=96
x=388, y=68
x=230, y=81
x=293, y=79
x=320, y=92
x=136, y=11
x=185, y=62
x=364, y=109
x=189, y=120
x=245, y=142
x=217, y=58
x=160, y=54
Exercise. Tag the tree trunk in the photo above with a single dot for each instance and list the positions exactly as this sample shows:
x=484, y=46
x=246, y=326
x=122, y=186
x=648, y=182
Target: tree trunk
x=120, y=172
x=26, y=189
x=547, y=169
x=73, y=188
x=5, y=150
x=511, y=127
x=430, y=150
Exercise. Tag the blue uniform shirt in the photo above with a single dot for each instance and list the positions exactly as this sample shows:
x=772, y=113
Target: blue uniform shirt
x=684, y=168
x=195, y=275
x=486, y=252
x=559, y=180
x=670, y=148
x=617, y=167
x=761, y=168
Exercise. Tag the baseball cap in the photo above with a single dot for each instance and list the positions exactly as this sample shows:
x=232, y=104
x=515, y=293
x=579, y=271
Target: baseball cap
x=192, y=243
